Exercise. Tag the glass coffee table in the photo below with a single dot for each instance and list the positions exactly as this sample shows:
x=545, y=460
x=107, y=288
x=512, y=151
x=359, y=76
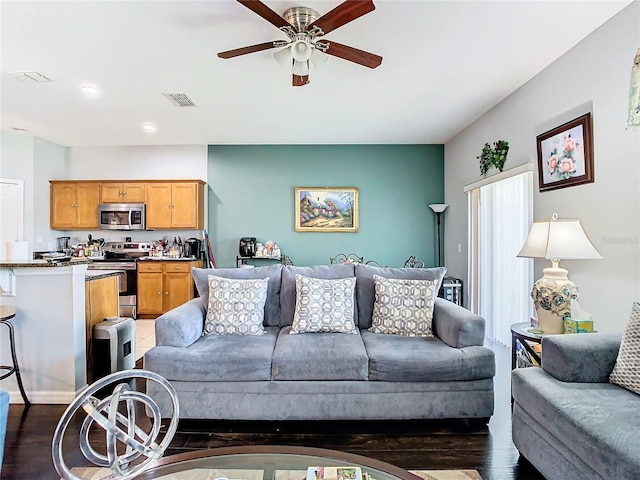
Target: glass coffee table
x=266, y=462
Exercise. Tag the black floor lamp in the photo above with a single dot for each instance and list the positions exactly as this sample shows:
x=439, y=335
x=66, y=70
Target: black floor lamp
x=438, y=208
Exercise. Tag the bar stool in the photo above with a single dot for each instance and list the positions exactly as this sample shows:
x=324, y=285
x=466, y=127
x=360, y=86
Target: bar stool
x=7, y=313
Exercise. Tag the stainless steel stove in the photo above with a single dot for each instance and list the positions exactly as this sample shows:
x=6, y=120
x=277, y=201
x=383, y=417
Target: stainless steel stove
x=123, y=256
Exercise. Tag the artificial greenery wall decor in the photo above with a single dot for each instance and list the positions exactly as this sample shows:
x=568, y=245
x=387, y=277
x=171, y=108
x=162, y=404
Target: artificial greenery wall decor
x=495, y=156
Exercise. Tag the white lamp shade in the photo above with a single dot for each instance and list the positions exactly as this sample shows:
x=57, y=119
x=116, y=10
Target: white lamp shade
x=438, y=207
x=284, y=58
x=558, y=240
x=300, y=68
x=318, y=58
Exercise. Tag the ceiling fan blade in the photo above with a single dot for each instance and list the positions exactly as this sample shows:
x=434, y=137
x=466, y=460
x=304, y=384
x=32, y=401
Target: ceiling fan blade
x=351, y=54
x=344, y=13
x=244, y=50
x=299, y=80
x=265, y=12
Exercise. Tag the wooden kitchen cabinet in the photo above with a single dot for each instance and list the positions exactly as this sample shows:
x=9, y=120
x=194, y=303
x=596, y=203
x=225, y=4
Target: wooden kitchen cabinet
x=163, y=285
x=119, y=192
x=74, y=205
x=101, y=301
x=175, y=204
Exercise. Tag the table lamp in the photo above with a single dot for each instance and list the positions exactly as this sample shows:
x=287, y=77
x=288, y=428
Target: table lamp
x=556, y=240
x=438, y=208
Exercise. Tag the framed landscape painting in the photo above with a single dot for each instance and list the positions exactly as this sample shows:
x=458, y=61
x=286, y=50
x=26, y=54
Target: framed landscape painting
x=326, y=209
x=565, y=155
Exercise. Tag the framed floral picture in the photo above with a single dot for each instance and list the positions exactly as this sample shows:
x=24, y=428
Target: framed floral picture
x=326, y=209
x=565, y=155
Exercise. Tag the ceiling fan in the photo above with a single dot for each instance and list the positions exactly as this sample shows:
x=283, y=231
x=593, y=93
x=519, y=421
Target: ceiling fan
x=303, y=27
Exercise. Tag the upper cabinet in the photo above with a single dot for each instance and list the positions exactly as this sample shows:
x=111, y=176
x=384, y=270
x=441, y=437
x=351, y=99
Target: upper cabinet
x=74, y=205
x=175, y=204
x=171, y=204
x=118, y=192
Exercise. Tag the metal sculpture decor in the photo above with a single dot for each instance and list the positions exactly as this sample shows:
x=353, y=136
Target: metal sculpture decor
x=118, y=426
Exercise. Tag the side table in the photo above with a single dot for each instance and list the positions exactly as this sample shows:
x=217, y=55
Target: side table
x=520, y=334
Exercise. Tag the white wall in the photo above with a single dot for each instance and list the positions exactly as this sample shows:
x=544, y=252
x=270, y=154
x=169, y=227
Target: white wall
x=593, y=76
x=34, y=161
x=37, y=161
x=137, y=163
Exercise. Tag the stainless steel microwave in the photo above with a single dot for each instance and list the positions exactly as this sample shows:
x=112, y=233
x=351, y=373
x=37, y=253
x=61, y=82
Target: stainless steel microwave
x=122, y=216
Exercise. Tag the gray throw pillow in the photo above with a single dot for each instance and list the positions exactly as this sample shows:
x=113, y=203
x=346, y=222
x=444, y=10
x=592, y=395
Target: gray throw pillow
x=403, y=307
x=324, y=305
x=626, y=371
x=236, y=307
x=365, y=289
x=274, y=272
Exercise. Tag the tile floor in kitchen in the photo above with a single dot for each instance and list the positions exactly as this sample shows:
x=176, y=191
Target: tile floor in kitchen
x=145, y=337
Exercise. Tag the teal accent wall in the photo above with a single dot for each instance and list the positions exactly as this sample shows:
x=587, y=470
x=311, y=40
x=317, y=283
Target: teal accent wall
x=251, y=194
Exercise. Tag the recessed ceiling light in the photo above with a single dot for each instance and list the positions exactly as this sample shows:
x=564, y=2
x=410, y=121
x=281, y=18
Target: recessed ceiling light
x=90, y=90
x=149, y=127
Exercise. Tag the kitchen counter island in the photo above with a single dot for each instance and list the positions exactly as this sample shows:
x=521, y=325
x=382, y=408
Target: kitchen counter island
x=50, y=329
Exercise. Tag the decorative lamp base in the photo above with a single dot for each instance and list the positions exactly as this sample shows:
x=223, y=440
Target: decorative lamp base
x=552, y=296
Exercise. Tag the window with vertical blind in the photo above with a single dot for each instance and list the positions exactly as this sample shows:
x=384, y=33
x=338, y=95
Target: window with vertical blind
x=500, y=215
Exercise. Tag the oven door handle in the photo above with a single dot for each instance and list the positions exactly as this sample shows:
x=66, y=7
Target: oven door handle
x=130, y=218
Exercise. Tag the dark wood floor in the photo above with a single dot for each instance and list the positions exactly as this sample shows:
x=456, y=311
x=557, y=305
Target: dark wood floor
x=411, y=445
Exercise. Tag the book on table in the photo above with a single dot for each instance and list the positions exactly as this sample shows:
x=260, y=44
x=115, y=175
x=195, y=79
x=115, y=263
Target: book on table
x=334, y=473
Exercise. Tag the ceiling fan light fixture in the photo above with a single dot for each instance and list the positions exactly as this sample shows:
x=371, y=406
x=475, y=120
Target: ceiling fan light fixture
x=301, y=50
x=318, y=58
x=284, y=58
x=300, y=68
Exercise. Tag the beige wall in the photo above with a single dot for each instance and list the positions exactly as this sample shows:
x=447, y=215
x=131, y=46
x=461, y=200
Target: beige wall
x=593, y=76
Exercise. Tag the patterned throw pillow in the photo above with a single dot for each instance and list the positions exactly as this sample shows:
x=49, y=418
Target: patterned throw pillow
x=403, y=307
x=236, y=307
x=626, y=371
x=324, y=305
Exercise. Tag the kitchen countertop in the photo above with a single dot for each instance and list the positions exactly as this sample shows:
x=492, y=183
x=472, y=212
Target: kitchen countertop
x=42, y=263
x=96, y=274
x=167, y=259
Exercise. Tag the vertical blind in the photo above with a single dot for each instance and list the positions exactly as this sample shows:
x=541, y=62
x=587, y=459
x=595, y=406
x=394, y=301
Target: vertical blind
x=504, y=215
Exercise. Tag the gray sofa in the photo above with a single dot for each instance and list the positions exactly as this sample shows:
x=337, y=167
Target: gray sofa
x=323, y=376
x=568, y=420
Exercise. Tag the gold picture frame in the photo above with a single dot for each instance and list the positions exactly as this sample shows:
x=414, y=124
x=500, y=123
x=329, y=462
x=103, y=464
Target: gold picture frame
x=326, y=209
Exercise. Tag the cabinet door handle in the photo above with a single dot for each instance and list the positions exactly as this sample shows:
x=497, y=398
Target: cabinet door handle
x=166, y=293
x=159, y=293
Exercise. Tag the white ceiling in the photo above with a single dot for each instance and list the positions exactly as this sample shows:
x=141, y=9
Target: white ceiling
x=445, y=64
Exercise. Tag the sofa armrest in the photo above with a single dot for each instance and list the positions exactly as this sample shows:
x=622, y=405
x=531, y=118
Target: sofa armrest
x=581, y=357
x=456, y=326
x=181, y=326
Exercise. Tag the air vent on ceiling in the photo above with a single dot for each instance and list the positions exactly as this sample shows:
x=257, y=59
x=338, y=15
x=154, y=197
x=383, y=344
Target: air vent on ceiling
x=31, y=77
x=180, y=99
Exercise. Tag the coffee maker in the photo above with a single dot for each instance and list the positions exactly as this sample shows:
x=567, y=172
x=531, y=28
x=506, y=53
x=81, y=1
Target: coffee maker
x=192, y=247
x=247, y=247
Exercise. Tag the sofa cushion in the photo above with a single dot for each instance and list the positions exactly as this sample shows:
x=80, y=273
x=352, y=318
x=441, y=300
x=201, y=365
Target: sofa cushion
x=324, y=305
x=223, y=358
x=394, y=358
x=288, y=287
x=626, y=371
x=273, y=272
x=236, y=307
x=319, y=356
x=365, y=285
x=403, y=307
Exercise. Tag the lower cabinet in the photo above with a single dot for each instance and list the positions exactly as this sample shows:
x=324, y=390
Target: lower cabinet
x=163, y=285
x=100, y=302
